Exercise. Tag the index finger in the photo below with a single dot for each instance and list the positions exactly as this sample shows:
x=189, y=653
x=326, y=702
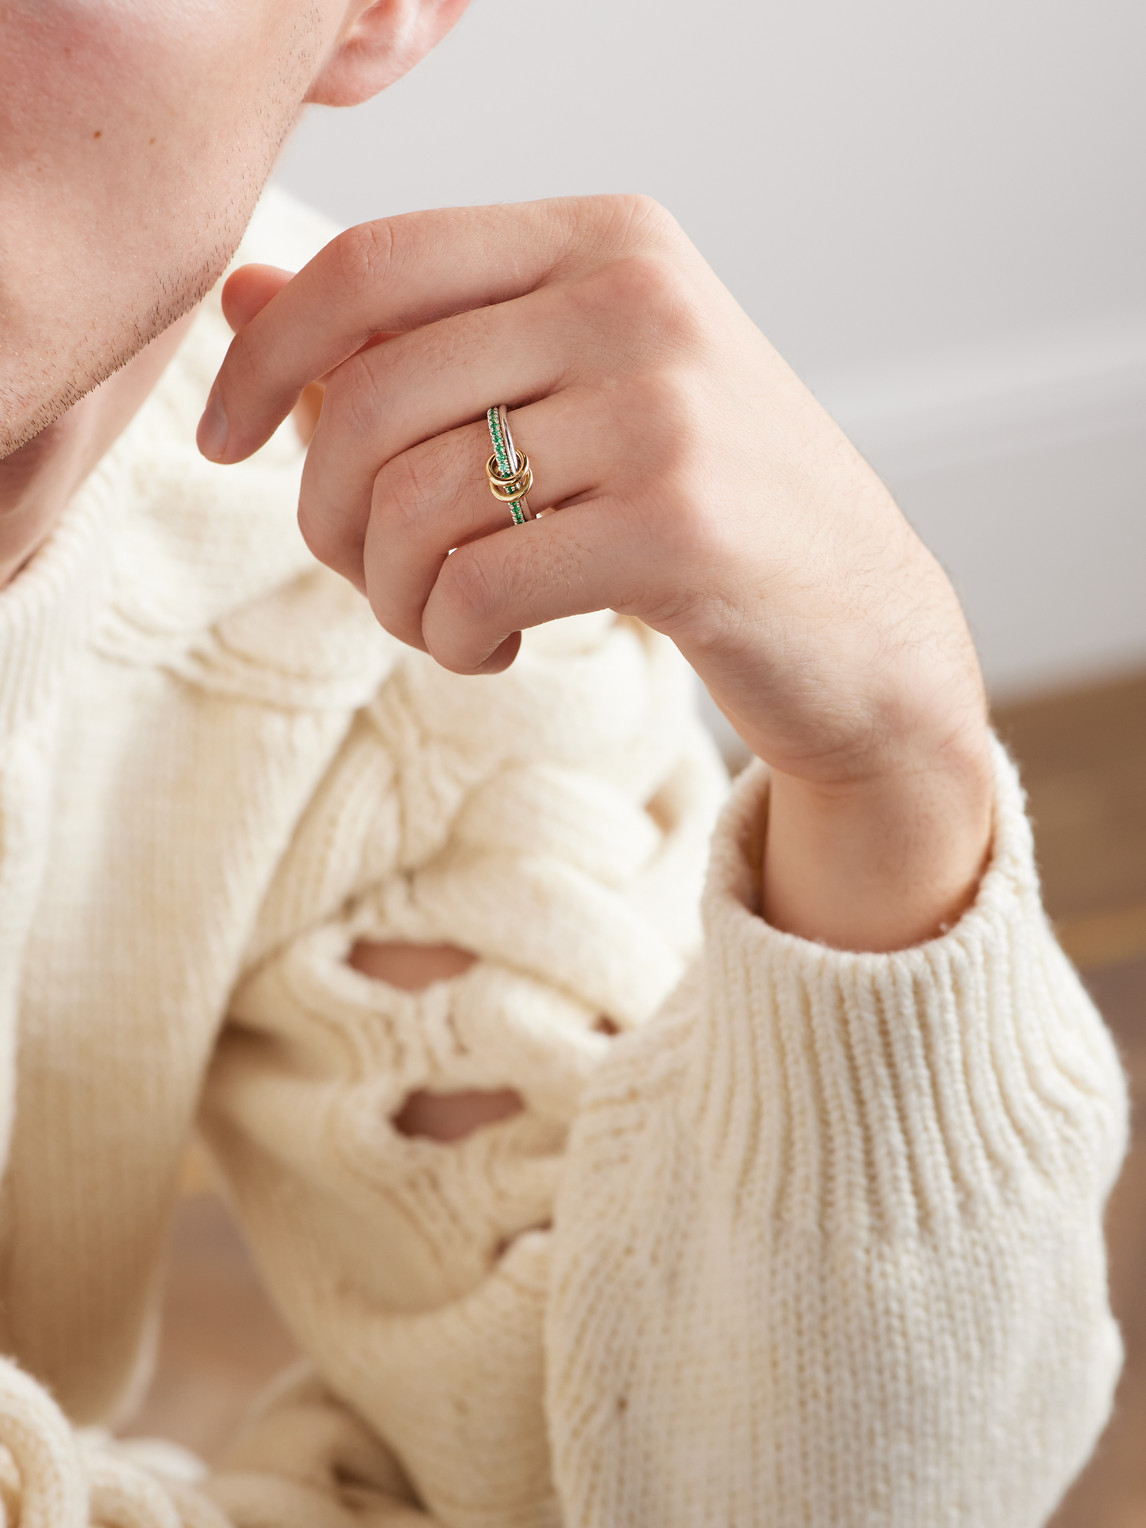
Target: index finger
x=397, y=274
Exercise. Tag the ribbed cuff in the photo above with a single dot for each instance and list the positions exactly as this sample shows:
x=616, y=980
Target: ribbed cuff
x=899, y=1089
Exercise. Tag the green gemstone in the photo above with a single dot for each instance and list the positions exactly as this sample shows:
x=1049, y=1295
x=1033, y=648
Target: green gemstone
x=500, y=450
x=501, y=455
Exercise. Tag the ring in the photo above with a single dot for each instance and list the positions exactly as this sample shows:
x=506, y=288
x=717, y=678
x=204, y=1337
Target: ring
x=508, y=470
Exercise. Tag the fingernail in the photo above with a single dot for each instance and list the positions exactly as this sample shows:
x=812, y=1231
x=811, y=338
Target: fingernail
x=213, y=429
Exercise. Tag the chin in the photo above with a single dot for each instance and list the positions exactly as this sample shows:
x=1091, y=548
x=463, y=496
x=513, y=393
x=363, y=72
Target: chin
x=36, y=402
x=38, y=408
x=32, y=429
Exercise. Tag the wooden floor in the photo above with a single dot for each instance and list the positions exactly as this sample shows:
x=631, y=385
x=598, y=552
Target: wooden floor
x=1083, y=755
x=1084, y=762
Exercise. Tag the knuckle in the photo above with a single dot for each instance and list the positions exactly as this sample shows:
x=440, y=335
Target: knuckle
x=414, y=488
x=645, y=215
x=400, y=624
x=243, y=373
x=354, y=396
x=654, y=288
x=634, y=218
x=403, y=488
x=328, y=535
x=597, y=227
x=320, y=536
x=472, y=588
x=364, y=255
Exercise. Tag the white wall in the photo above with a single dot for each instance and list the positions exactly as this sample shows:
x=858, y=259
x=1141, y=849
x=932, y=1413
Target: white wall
x=934, y=210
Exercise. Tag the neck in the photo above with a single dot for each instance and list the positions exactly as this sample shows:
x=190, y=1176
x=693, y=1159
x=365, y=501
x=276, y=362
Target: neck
x=37, y=481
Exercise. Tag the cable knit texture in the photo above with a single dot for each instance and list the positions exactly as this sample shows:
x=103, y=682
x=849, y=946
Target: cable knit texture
x=814, y=1242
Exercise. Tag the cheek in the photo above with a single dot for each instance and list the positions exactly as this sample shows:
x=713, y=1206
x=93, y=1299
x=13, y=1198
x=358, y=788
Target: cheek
x=75, y=71
x=138, y=132
x=87, y=86
x=135, y=136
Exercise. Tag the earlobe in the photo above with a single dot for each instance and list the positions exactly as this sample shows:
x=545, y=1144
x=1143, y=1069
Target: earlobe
x=380, y=41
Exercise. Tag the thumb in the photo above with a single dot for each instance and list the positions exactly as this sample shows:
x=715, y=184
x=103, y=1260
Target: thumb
x=246, y=293
x=248, y=290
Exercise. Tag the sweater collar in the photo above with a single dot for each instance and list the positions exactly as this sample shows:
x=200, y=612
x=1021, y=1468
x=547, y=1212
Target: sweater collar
x=156, y=541
x=159, y=545
x=50, y=608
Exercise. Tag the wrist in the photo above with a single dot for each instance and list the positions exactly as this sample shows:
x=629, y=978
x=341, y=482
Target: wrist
x=885, y=860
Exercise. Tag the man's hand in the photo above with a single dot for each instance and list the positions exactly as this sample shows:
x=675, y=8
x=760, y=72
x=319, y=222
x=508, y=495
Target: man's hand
x=700, y=487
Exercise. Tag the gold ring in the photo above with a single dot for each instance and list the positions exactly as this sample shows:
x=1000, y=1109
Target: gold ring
x=509, y=488
x=508, y=471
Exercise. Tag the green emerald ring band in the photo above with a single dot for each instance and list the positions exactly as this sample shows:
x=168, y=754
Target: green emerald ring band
x=508, y=471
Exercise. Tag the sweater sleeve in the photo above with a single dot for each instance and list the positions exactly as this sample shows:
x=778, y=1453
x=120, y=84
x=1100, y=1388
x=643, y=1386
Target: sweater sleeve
x=829, y=1246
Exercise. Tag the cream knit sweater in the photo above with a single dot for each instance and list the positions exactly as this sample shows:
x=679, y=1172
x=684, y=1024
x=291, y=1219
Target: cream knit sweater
x=815, y=1243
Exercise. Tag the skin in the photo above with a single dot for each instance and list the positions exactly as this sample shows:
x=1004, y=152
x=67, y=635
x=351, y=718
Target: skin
x=122, y=198
x=698, y=486
x=758, y=540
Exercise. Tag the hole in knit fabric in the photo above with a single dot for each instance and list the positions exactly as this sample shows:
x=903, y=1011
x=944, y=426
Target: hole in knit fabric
x=506, y=1242
x=433, y=1116
x=452, y=1116
x=409, y=966
x=660, y=808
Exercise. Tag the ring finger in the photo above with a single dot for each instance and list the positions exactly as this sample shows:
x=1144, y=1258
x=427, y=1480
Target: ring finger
x=436, y=496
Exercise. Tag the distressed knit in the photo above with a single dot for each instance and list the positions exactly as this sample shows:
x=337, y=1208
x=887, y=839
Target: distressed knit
x=799, y=1239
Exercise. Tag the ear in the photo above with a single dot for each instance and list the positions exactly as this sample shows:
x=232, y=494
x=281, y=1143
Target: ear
x=379, y=42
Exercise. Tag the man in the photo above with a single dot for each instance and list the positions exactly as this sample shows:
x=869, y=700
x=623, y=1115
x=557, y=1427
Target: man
x=817, y=1240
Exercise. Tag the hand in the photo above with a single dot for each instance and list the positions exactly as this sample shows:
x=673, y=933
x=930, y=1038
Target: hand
x=700, y=488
